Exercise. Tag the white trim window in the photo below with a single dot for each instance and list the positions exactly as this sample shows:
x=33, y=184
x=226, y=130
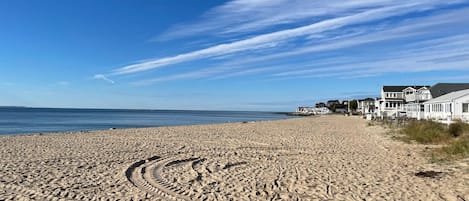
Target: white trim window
x=465, y=107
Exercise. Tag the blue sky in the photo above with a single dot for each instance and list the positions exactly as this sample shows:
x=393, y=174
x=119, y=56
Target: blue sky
x=224, y=55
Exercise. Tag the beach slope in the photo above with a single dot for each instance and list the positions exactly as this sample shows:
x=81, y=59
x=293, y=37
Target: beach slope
x=320, y=158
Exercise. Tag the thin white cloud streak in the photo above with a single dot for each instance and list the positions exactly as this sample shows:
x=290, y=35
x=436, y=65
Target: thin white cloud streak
x=411, y=58
x=403, y=61
x=247, y=16
x=248, y=72
x=443, y=78
x=223, y=71
x=189, y=75
x=103, y=77
x=408, y=29
x=269, y=40
x=407, y=64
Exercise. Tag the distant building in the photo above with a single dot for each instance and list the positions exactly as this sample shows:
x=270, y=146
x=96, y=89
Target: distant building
x=341, y=109
x=332, y=103
x=320, y=105
x=321, y=111
x=303, y=109
x=366, y=106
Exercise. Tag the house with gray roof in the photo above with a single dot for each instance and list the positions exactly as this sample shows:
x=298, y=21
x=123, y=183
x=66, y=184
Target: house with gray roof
x=394, y=99
x=449, y=107
x=440, y=89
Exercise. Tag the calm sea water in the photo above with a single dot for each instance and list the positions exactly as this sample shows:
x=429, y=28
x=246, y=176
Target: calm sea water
x=43, y=120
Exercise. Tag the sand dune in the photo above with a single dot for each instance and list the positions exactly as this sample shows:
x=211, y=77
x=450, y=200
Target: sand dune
x=321, y=158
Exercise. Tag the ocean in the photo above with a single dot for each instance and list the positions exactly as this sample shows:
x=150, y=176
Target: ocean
x=17, y=120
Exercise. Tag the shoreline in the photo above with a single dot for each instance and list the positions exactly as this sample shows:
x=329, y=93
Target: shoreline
x=332, y=157
x=148, y=127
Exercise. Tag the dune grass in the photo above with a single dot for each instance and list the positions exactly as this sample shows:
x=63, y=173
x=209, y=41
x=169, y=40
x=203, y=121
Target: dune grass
x=457, y=149
x=454, y=138
x=426, y=132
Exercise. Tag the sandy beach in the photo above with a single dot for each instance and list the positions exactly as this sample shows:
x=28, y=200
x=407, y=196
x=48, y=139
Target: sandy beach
x=320, y=158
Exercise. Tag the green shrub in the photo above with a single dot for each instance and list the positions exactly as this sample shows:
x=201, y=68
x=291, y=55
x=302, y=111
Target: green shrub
x=455, y=129
x=458, y=128
x=426, y=132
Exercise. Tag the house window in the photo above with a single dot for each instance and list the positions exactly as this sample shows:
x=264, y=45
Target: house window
x=465, y=107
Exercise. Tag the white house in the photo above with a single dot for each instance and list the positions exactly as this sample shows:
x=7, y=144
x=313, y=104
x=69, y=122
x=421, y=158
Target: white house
x=321, y=110
x=366, y=106
x=302, y=109
x=451, y=106
x=394, y=99
x=415, y=97
x=391, y=102
x=417, y=94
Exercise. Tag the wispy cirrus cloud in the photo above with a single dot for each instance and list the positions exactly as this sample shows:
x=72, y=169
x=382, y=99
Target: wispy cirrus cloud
x=351, y=24
x=103, y=77
x=413, y=53
x=246, y=16
x=271, y=39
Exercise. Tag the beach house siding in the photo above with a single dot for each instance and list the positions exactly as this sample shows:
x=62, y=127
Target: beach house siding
x=417, y=94
x=366, y=106
x=391, y=101
x=394, y=100
x=451, y=106
x=415, y=97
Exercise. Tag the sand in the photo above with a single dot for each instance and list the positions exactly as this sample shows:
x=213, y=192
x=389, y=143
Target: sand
x=319, y=158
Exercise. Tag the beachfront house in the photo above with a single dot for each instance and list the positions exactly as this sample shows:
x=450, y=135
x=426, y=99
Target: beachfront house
x=391, y=102
x=449, y=107
x=321, y=110
x=336, y=106
x=399, y=101
x=440, y=89
x=420, y=102
x=366, y=106
x=414, y=97
x=332, y=103
x=305, y=110
x=320, y=105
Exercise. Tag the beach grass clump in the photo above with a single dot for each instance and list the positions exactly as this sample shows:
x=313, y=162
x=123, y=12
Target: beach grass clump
x=458, y=128
x=425, y=132
x=456, y=149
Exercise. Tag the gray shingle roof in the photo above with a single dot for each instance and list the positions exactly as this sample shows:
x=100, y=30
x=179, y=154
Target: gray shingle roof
x=440, y=89
x=399, y=88
x=449, y=96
